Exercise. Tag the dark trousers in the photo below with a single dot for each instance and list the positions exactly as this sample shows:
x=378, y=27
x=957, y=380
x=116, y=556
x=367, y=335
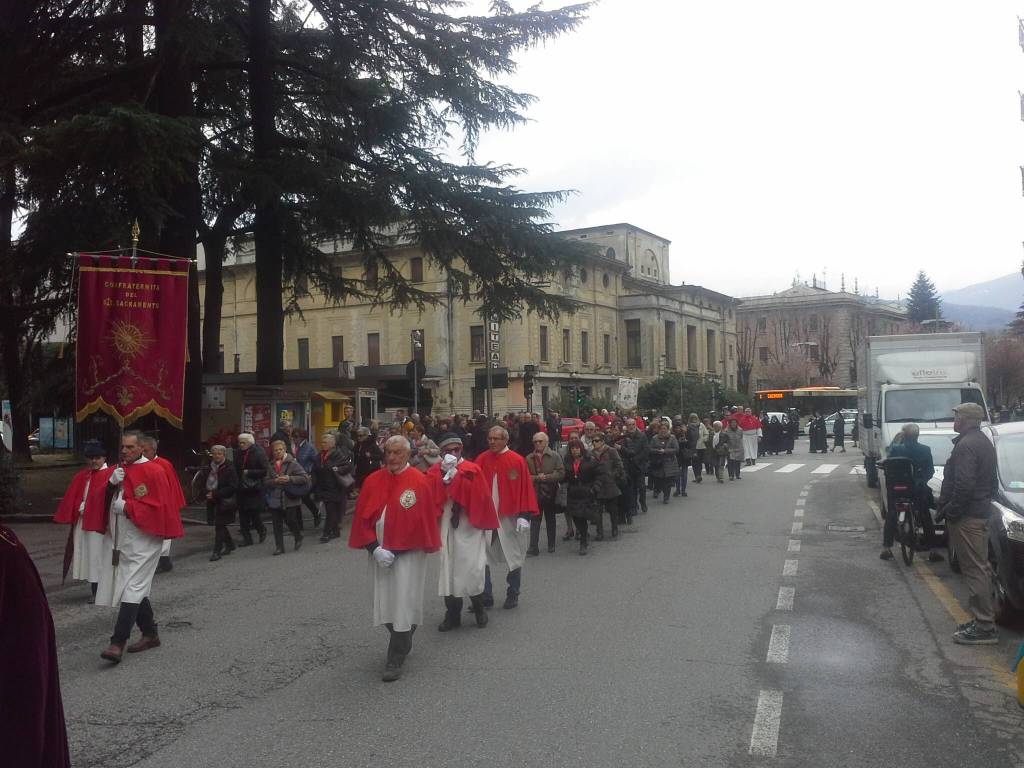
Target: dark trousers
x=581, y=526
x=222, y=539
x=611, y=508
x=636, y=492
x=335, y=510
x=289, y=515
x=133, y=614
x=514, y=581
x=697, y=463
x=664, y=485
x=249, y=520
x=719, y=465
x=309, y=503
x=550, y=515
x=734, y=467
x=923, y=515
x=709, y=459
x=683, y=476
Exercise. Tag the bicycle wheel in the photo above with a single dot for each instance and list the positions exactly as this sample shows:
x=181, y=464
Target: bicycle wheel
x=907, y=531
x=197, y=488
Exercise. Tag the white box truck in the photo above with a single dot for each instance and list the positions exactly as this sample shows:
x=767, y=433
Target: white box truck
x=916, y=378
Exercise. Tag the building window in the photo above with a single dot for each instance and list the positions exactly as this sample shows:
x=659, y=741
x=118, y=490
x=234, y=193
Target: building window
x=567, y=276
x=731, y=355
x=712, y=352
x=670, y=344
x=691, y=347
x=476, y=344
x=762, y=354
x=762, y=324
x=583, y=276
x=370, y=276
x=732, y=381
x=373, y=349
x=303, y=354
x=584, y=348
x=238, y=362
x=812, y=323
x=566, y=345
x=607, y=393
x=607, y=349
x=416, y=269
x=544, y=343
x=633, y=359
x=605, y=280
x=545, y=396
x=610, y=253
x=812, y=353
x=337, y=350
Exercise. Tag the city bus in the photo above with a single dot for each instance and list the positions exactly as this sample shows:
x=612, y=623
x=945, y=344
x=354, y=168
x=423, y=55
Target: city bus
x=806, y=400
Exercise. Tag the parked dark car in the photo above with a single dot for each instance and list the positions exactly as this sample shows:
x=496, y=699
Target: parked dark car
x=1006, y=533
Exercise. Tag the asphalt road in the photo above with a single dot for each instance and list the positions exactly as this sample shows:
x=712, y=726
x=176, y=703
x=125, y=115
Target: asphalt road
x=731, y=628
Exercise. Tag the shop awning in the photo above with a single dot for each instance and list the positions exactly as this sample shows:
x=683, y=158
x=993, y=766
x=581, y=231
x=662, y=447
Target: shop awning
x=333, y=397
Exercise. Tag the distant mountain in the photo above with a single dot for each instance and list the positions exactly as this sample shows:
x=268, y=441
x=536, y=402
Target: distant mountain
x=971, y=318
x=1002, y=293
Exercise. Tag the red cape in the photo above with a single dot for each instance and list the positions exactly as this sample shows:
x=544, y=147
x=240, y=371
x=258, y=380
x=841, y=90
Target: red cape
x=148, y=501
x=32, y=729
x=177, y=497
x=515, y=487
x=411, y=522
x=67, y=510
x=470, y=491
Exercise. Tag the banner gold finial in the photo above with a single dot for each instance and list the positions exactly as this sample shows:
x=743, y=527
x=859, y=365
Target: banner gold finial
x=135, y=241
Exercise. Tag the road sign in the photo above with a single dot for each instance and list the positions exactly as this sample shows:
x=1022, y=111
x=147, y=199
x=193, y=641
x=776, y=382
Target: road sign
x=499, y=378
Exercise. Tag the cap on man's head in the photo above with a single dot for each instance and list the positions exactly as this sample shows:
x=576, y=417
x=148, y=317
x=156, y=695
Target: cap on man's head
x=449, y=439
x=970, y=411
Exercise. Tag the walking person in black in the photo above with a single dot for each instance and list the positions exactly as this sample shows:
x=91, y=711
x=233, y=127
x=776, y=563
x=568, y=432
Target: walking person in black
x=839, y=434
x=333, y=474
x=221, y=489
x=251, y=465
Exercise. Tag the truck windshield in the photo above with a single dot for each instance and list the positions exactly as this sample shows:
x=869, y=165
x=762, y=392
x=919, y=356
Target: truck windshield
x=927, y=404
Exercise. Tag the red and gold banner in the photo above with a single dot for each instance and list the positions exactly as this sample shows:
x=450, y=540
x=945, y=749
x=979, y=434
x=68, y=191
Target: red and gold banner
x=132, y=325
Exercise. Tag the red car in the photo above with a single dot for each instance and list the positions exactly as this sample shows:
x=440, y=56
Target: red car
x=571, y=426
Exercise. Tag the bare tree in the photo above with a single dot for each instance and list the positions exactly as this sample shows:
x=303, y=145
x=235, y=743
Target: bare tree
x=746, y=349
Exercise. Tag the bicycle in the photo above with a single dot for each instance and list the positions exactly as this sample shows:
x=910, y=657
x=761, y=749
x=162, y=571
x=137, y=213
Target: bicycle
x=197, y=484
x=899, y=484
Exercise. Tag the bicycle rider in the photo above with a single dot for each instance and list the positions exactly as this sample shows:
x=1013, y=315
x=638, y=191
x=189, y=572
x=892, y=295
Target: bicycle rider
x=907, y=445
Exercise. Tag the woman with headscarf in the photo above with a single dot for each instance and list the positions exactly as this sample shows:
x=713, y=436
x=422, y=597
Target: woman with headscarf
x=663, y=453
x=790, y=430
x=581, y=481
x=221, y=489
x=773, y=436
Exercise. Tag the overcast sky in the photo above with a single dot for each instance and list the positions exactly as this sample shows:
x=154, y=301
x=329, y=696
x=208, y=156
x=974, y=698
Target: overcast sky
x=765, y=139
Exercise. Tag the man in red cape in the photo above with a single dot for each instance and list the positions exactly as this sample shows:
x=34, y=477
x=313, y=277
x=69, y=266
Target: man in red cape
x=508, y=478
x=84, y=548
x=129, y=504
x=177, y=498
x=396, y=522
x=467, y=516
x=32, y=729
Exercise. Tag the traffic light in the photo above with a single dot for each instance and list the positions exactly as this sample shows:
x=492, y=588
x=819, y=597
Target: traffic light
x=580, y=397
x=529, y=374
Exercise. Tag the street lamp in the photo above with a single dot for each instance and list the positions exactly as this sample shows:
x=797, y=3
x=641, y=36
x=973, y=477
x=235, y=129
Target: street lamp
x=416, y=337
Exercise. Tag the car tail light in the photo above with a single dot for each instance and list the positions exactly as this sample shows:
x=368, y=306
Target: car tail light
x=901, y=488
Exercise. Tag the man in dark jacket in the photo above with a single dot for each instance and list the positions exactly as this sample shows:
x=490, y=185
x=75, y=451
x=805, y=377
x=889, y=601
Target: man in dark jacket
x=634, y=459
x=251, y=465
x=969, y=479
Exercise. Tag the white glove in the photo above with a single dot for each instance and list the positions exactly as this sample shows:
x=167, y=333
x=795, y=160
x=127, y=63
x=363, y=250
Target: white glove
x=118, y=506
x=522, y=524
x=384, y=557
x=449, y=468
x=81, y=507
x=117, y=476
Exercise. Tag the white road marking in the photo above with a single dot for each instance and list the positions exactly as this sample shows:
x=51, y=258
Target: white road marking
x=824, y=469
x=799, y=512
x=764, y=740
x=797, y=527
x=756, y=467
x=789, y=468
x=801, y=502
x=858, y=471
x=794, y=545
x=876, y=511
x=785, y=601
x=778, y=645
x=789, y=567
x=804, y=492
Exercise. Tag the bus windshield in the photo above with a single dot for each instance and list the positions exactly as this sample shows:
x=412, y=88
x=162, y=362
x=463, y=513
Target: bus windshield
x=927, y=404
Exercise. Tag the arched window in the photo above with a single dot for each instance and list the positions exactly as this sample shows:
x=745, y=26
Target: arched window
x=583, y=276
x=610, y=253
x=605, y=280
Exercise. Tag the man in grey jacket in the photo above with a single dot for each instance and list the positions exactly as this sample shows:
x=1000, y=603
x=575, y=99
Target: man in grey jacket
x=969, y=479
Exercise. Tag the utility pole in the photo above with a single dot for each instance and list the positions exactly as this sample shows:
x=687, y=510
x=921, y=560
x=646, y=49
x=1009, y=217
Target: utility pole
x=417, y=344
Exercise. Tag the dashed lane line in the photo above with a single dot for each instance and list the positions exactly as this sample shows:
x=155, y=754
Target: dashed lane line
x=764, y=739
x=785, y=601
x=794, y=545
x=798, y=512
x=778, y=644
x=801, y=502
x=798, y=527
x=789, y=567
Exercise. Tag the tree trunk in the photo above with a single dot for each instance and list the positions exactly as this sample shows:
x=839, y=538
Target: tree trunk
x=215, y=241
x=173, y=97
x=268, y=215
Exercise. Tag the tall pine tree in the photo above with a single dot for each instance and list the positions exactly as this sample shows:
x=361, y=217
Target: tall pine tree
x=923, y=302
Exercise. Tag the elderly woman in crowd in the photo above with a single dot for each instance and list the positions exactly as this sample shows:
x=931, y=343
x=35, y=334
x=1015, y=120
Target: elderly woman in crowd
x=367, y=455
x=737, y=449
x=547, y=470
x=664, y=464
x=610, y=477
x=581, y=481
x=221, y=489
x=333, y=475
x=251, y=466
x=286, y=483
x=425, y=452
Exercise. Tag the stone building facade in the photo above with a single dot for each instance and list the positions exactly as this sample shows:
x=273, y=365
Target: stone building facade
x=807, y=335
x=630, y=323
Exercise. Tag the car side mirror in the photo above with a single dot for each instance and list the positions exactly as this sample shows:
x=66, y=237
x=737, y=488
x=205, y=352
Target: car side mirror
x=868, y=420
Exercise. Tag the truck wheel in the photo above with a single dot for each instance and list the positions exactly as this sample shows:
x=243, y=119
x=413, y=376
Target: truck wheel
x=871, y=471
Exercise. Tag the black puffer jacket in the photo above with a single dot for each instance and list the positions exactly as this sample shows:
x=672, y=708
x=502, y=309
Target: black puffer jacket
x=969, y=477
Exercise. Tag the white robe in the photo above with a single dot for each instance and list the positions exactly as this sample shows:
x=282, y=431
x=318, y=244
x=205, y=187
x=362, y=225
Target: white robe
x=508, y=547
x=86, y=561
x=398, y=590
x=463, y=556
x=131, y=580
x=750, y=443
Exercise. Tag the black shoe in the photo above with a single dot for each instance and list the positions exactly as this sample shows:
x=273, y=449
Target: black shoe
x=615, y=532
x=263, y=535
x=532, y=552
x=278, y=551
x=392, y=672
x=677, y=493
x=583, y=547
x=683, y=493
x=569, y=536
x=215, y=557
x=551, y=548
x=165, y=565
x=974, y=635
x=488, y=601
x=451, y=621
x=476, y=605
x=697, y=480
x=886, y=554
x=298, y=543
x=511, y=600
x=599, y=536
x=666, y=500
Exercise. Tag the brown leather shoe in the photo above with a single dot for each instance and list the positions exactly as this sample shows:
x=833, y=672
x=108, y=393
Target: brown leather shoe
x=114, y=653
x=144, y=644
